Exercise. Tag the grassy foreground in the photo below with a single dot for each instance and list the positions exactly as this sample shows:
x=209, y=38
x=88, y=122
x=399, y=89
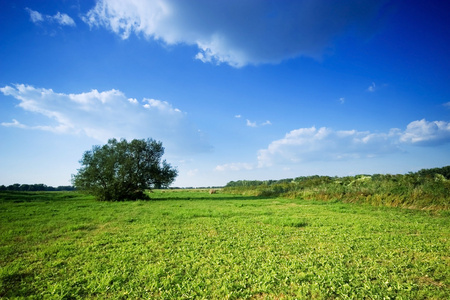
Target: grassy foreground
x=189, y=244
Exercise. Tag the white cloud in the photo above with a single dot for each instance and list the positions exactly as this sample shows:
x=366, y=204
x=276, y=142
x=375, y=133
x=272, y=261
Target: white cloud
x=35, y=16
x=427, y=133
x=237, y=116
x=372, y=87
x=108, y=114
x=342, y=100
x=234, y=167
x=311, y=144
x=254, y=124
x=61, y=19
x=325, y=144
x=162, y=106
x=251, y=124
x=447, y=105
x=239, y=32
x=90, y=101
x=14, y=123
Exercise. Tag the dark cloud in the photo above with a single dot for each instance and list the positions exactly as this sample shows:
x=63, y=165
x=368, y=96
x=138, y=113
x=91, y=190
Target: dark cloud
x=241, y=32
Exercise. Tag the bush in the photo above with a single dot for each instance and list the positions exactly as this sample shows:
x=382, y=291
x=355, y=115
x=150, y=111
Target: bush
x=424, y=189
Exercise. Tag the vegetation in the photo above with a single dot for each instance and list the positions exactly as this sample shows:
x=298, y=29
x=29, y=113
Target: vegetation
x=34, y=188
x=429, y=189
x=190, y=244
x=123, y=171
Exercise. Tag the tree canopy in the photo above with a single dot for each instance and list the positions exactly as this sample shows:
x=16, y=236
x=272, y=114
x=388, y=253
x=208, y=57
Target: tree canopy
x=122, y=170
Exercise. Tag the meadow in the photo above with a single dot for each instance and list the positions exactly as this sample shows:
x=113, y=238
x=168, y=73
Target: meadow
x=188, y=244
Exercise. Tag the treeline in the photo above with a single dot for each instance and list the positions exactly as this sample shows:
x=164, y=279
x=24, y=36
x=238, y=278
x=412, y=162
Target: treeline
x=35, y=188
x=445, y=171
x=427, y=188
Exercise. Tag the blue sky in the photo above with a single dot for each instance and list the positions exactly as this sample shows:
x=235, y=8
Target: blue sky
x=234, y=89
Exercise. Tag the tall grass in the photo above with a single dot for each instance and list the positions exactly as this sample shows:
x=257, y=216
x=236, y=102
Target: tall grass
x=414, y=190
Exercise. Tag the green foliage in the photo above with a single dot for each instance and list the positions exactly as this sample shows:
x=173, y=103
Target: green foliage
x=123, y=171
x=445, y=171
x=428, y=189
x=34, y=188
x=192, y=245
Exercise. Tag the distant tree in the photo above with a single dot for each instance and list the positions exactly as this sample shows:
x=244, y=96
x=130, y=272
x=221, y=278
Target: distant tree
x=14, y=187
x=123, y=171
x=64, y=188
x=445, y=171
x=34, y=188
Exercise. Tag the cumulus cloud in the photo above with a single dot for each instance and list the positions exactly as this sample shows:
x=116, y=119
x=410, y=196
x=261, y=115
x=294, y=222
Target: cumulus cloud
x=59, y=18
x=239, y=32
x=426, y=133
x=107, y=114
x=162, y=106
x=309, y=144
x=326, y=144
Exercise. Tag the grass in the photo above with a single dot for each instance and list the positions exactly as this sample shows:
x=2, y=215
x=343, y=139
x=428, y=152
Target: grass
x=426, y=189
x=190, y=244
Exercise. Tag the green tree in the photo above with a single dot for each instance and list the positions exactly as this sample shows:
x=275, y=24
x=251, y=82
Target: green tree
x=122, y=170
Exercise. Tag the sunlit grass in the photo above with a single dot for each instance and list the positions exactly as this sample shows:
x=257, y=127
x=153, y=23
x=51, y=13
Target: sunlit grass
x=189, y=244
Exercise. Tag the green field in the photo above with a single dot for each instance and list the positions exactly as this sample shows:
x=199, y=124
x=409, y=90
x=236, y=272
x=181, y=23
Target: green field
x=189, y=244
